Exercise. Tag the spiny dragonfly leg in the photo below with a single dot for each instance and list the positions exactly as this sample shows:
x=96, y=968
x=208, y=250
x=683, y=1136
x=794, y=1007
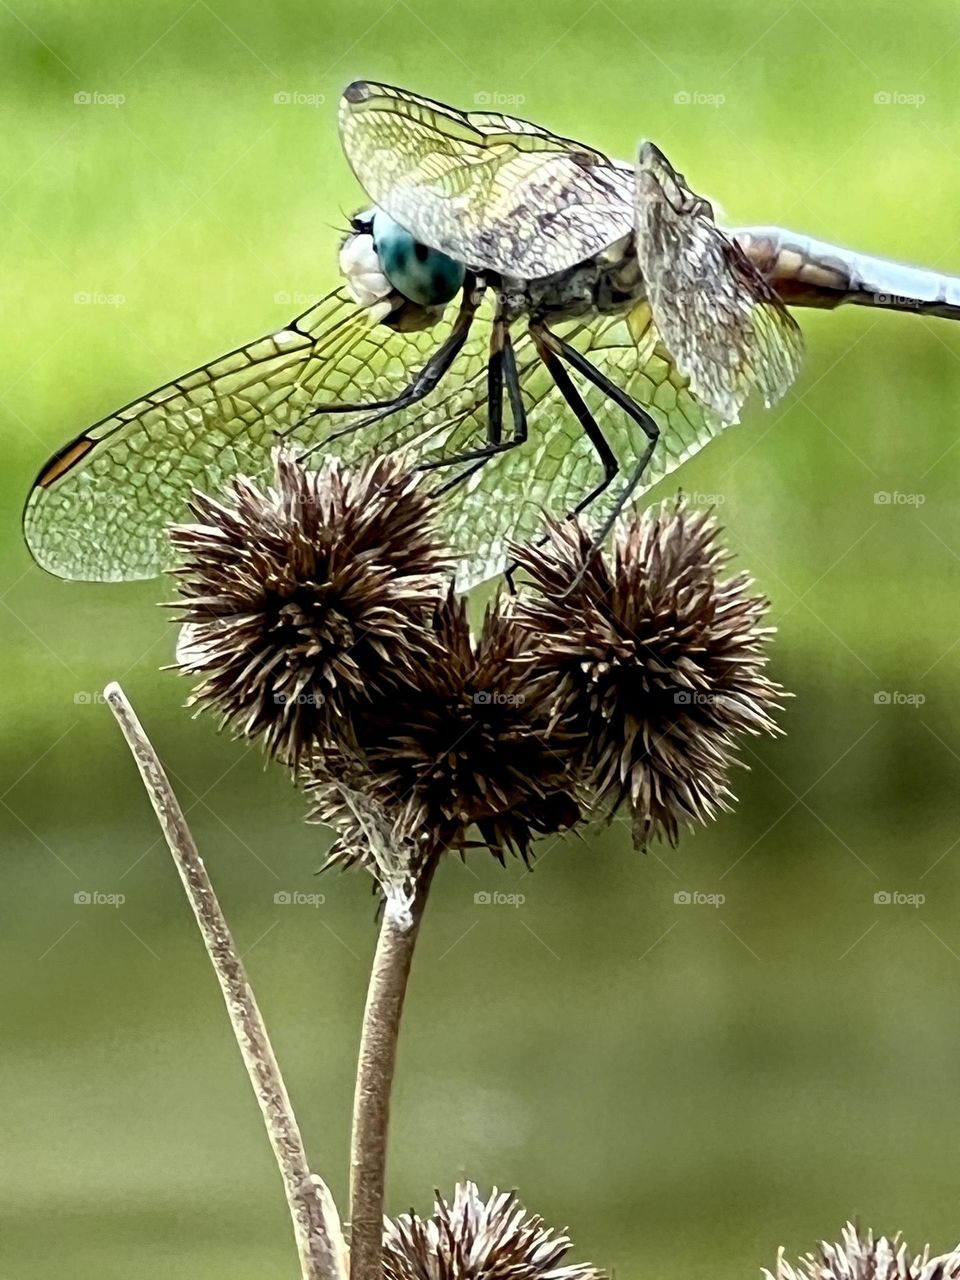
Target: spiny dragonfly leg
x=501, y=374
x=420, y=386
x=551, y=349
x=643, y=420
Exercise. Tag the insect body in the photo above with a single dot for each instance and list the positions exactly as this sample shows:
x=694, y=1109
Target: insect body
x=545, y=328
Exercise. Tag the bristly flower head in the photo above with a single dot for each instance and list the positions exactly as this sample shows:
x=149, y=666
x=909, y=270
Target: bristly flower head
x=319, y=617
x=304, y=600
x=474, y=1239
x=861, y=1257
x=466, y=739
x=661, y=661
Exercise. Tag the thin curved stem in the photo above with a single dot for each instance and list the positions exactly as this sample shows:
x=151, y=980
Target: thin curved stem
x=375, y=1070
x=316, y=1224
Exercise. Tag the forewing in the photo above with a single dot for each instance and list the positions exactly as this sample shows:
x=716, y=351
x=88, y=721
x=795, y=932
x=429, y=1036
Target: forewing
x=488, y=190
x=509, y=498
x=99, y=509
x=724, y=325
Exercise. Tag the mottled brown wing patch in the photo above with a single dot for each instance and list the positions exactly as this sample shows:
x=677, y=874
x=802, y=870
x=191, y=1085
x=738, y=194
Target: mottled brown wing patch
x=489, y=190
x=723, y=324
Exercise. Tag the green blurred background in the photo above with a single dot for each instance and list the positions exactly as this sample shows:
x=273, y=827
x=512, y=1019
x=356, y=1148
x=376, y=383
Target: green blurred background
x=686, y=1086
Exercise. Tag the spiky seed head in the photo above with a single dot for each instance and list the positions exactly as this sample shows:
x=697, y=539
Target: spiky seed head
x=467, y=739
x=660, y=659
x=476, y=1239
x=303, y=600
x=859, y=1256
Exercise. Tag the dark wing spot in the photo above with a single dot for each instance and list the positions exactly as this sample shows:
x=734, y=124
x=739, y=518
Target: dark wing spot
x=61, y=462
x=421, y=251
x=359, y=91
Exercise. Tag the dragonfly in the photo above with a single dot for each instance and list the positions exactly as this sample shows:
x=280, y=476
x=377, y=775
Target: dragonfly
x=540, y=328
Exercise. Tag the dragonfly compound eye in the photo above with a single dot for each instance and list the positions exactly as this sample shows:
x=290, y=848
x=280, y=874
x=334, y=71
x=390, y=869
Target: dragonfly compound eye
x=422, y=274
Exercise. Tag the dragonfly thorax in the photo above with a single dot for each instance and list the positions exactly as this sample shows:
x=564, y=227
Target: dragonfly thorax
x=607, y=283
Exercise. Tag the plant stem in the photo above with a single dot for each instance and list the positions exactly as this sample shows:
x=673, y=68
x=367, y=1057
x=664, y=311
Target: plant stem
x=316, y=1223
x=378, y=1056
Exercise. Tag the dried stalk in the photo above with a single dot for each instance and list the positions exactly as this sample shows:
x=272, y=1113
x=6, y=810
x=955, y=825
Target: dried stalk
x=316, y=1223
x=375, y=1070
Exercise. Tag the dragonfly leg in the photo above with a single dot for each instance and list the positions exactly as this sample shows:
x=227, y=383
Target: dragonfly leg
x=420, y=386
x=639, y=416
x=551, y=349
x=501, y=375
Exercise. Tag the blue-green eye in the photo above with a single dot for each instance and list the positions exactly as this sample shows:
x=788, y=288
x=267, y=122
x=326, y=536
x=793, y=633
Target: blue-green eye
x=422, y=274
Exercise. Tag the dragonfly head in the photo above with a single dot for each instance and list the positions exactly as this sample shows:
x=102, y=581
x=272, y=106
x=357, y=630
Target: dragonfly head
x=404, y=283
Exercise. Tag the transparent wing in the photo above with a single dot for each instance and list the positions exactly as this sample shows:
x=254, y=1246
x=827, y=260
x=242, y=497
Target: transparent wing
x=487, y=189
x=99, y=509
x=548, y=475
x=723, y=323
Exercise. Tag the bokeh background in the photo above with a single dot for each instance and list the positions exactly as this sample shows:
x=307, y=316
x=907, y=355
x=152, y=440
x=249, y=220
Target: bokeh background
x=686, y=1086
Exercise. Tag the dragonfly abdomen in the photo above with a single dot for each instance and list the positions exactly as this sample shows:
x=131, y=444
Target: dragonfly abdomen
x=813, y=273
